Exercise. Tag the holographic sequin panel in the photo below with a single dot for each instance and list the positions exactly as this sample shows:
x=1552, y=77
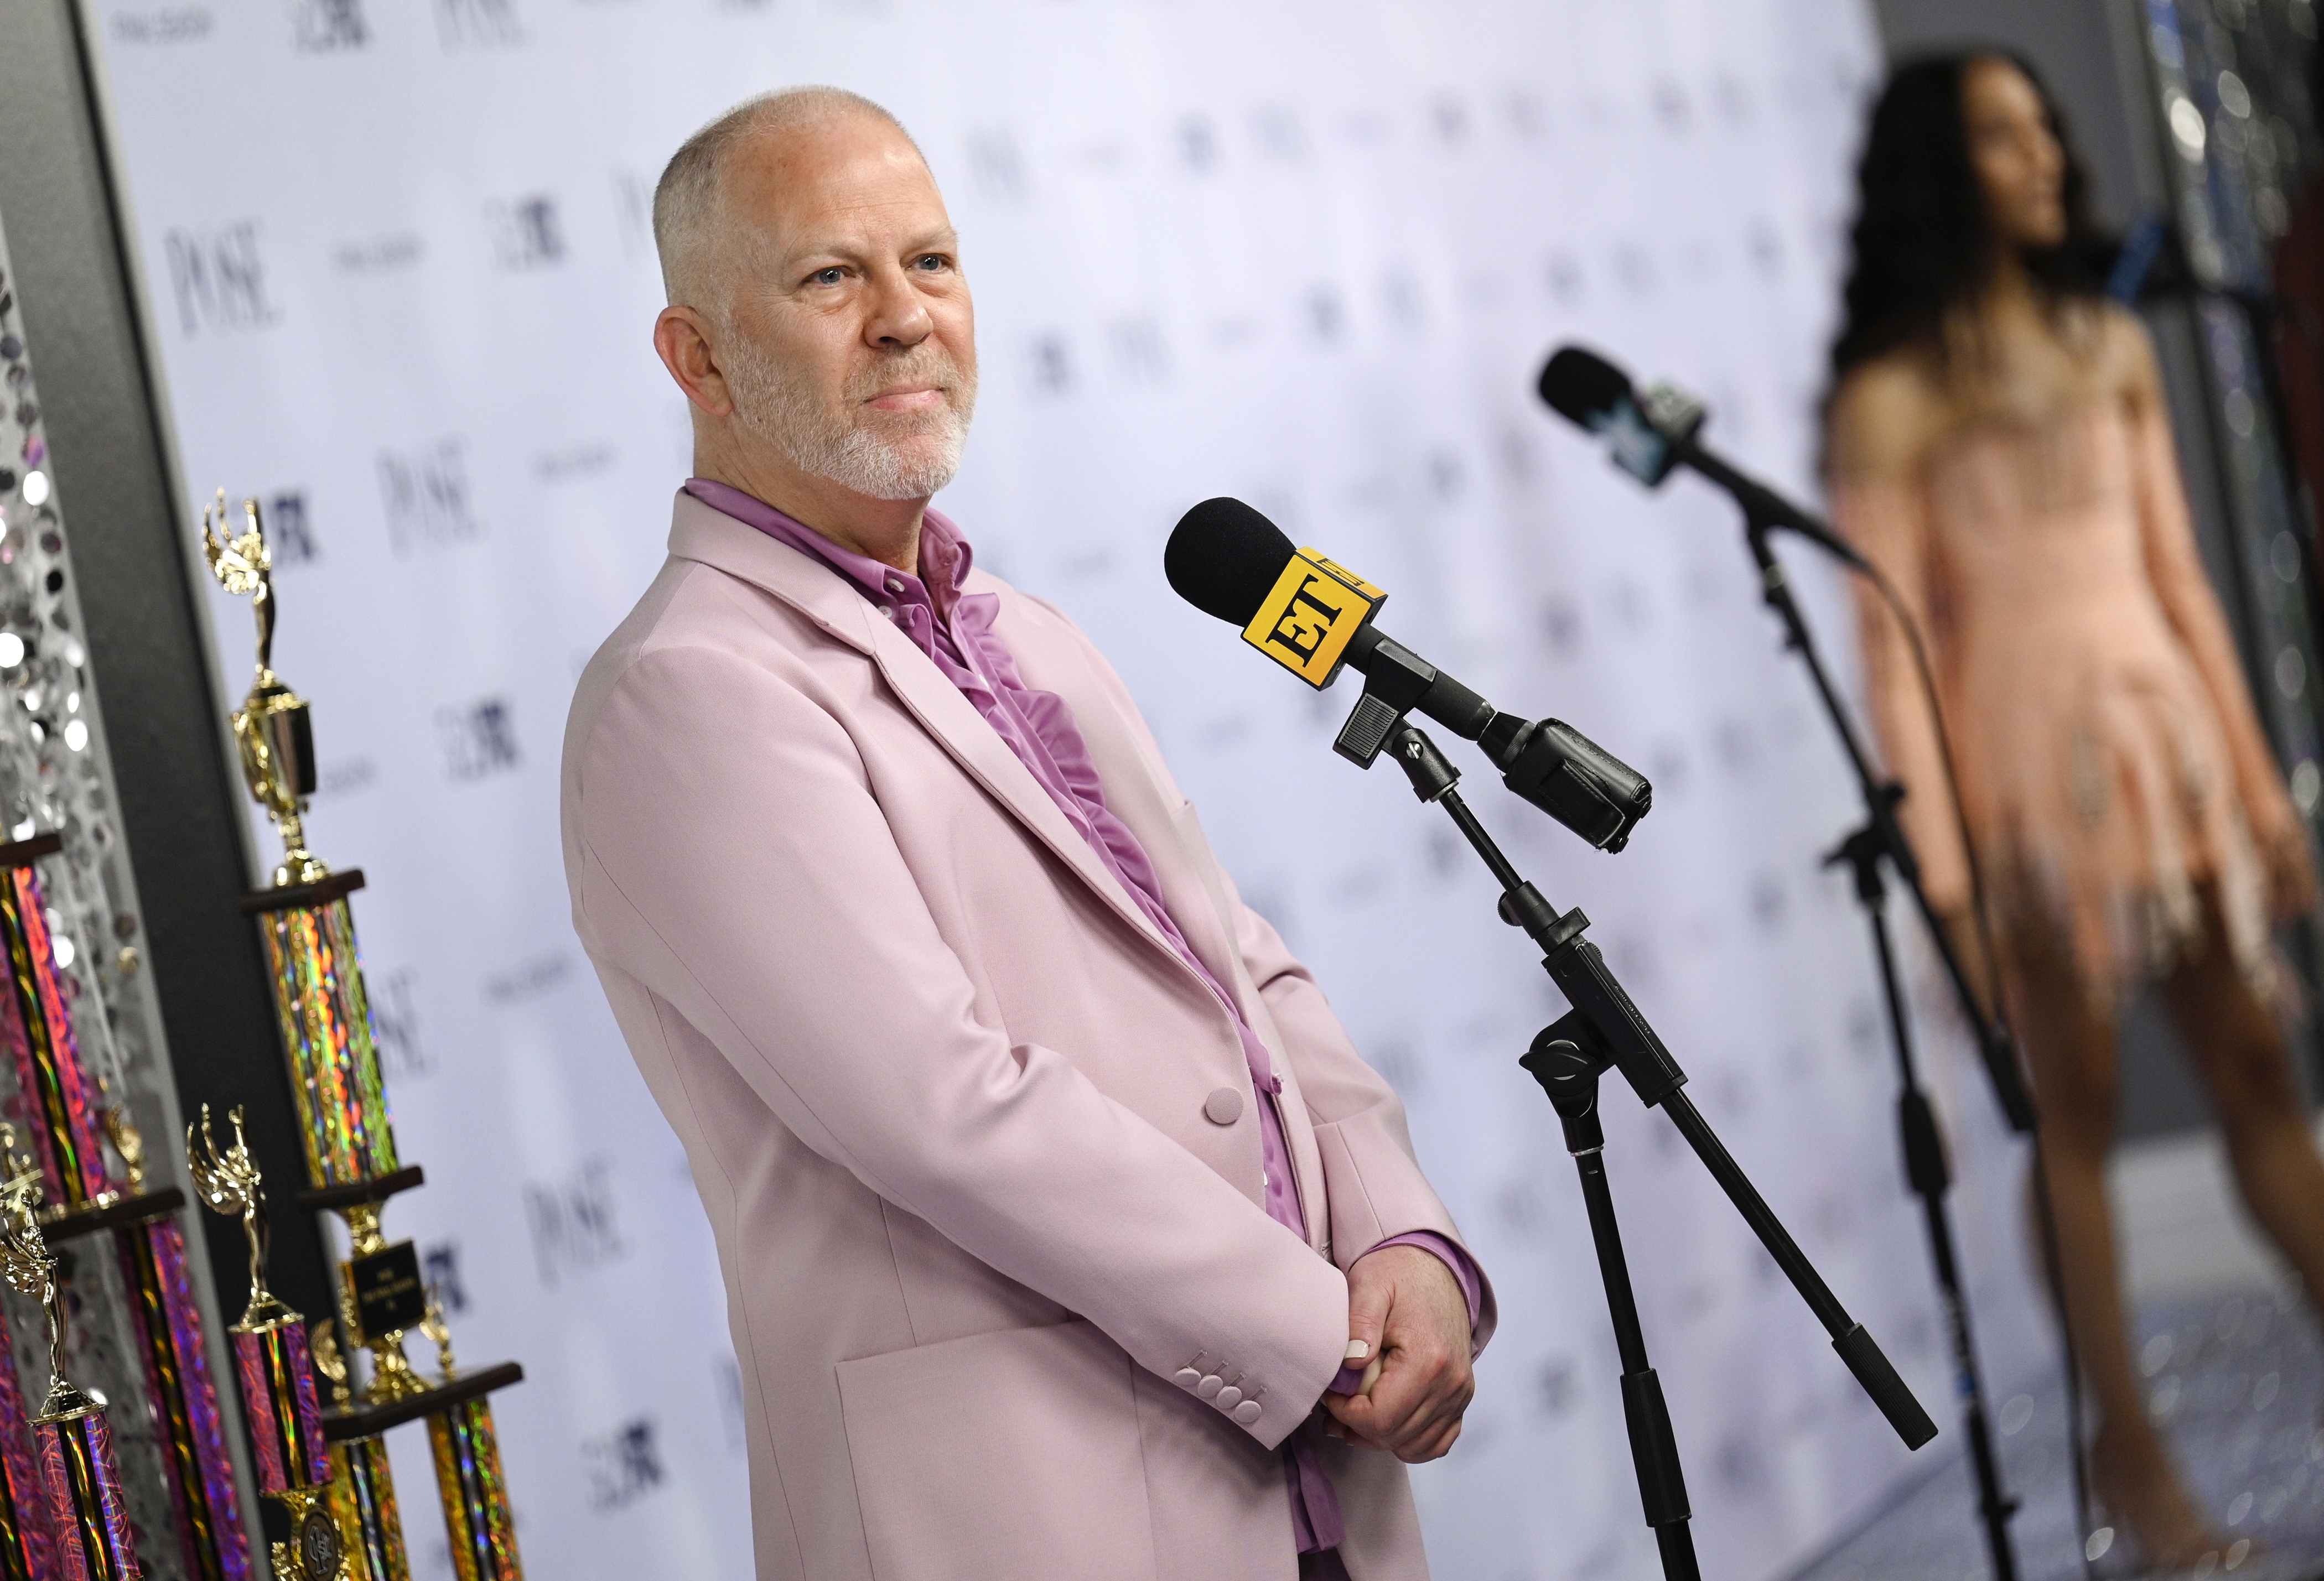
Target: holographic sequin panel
x=83, y=1496
x=473, y=1492
x=58, y=1098
x=325, y=1022
x=192, y=1439
x=27, y=1551
x=280, y=1403
x=362, y=1501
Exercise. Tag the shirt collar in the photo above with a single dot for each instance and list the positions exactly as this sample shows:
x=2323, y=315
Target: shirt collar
x=945, y=556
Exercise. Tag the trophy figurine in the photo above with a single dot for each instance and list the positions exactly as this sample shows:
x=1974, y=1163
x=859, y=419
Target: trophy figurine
x=67, y=1116
x=83, y=1482
x=352, y=1169
x=272, y=727
x=277, y=1373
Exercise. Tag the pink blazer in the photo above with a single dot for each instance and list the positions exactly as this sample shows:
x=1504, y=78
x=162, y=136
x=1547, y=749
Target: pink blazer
x=944, y=1086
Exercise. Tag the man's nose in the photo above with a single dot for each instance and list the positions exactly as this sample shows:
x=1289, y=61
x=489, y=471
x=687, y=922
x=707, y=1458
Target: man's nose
x=896, y=314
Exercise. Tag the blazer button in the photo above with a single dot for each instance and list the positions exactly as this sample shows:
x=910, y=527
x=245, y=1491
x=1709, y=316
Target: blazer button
x=1186, y=1377
x=1229, y=1398
x=1224, y=1108
x=1246, y=1412
x=1209, y=1387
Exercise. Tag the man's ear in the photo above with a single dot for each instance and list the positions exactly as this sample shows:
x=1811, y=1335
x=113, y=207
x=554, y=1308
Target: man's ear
x=682, y=339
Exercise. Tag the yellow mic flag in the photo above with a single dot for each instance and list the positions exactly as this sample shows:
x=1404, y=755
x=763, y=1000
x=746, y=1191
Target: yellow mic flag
x=1316, y=608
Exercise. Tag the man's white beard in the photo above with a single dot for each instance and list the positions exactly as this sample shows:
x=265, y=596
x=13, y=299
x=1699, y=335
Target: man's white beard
x=882, y=454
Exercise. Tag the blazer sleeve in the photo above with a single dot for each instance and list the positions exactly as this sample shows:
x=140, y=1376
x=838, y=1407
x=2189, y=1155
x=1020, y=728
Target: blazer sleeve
x=748, y=876
x=1888, y=521
x=1370, y=1173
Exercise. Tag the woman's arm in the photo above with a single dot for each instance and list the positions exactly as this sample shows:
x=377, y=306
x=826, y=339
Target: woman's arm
x=1882, y=422
x=2174, y=566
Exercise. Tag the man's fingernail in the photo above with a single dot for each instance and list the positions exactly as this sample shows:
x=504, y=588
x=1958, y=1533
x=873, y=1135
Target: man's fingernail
x=1357, y=1349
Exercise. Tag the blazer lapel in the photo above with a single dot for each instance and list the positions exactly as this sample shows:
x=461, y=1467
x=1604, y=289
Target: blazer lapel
x=699, y=532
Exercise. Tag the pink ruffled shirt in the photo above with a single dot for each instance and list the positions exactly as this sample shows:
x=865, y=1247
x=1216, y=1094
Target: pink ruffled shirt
x=955, y=629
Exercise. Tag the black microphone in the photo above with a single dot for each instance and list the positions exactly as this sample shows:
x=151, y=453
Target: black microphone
x=1312, y=616
x=1651, y=435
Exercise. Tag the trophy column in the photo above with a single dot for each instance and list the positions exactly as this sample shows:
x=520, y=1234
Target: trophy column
x=307, y=929
x=28, y=1551
x=65, y=1124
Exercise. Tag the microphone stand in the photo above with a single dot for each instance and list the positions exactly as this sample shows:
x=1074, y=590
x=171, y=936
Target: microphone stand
x=1926, y=1170
x=1605, y=1031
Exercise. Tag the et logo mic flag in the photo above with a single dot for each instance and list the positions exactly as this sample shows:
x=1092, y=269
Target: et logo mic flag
x=1314, y=612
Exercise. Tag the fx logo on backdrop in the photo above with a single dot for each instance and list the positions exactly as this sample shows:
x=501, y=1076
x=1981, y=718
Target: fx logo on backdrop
x=439, y=1270
x=219, y=278
x=479, y=739
x=625, y=1466
x=289, y=539
x=525, y=232
x=323, y=25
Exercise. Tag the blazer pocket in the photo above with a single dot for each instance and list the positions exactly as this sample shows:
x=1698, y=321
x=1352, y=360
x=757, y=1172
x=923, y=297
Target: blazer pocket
x=1005, y=1457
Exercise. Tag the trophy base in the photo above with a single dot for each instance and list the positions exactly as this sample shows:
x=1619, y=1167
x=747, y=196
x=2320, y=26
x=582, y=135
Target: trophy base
x=284, y=896
x=361, y=1193
x=17, y=853
x=120, y=1213
x=365, y=1422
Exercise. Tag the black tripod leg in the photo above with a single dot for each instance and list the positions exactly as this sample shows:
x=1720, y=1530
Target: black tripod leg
x=1930, y=1177
x=1654, y=1448
x=1569, y=1075
x=1995, y=1504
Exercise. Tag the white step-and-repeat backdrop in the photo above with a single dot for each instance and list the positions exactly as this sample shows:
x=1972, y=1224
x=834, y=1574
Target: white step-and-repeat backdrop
x=399, y=278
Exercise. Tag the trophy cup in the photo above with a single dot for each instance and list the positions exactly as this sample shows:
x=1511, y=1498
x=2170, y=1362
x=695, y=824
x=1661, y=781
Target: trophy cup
x=66, y=1121
x=82, y=1483
x=277, y=1373
x=307, y=929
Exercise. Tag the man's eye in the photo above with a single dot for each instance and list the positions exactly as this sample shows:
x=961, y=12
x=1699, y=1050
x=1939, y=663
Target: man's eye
x=932, y=261
x=828, y=277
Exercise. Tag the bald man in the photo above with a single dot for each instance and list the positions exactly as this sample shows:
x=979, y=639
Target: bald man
x=1066, y=1236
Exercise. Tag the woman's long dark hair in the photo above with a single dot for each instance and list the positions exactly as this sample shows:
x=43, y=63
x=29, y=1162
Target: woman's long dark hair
x=1922, y=245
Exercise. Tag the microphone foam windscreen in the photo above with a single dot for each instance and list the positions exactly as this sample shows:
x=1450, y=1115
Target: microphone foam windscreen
x=1580, y=385
x=1224, y=557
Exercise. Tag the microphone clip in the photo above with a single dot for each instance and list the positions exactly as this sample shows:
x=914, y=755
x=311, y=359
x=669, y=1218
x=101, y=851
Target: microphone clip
x=1396, y=679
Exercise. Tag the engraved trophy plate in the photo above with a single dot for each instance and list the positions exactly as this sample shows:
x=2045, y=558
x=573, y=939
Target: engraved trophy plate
x=385, y=1291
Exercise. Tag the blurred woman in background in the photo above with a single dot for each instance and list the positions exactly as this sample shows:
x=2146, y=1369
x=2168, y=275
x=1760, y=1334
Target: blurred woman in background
x=1996, y=441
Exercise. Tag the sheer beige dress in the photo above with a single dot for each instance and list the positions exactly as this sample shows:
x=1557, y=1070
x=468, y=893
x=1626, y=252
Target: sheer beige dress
x=2112, y=768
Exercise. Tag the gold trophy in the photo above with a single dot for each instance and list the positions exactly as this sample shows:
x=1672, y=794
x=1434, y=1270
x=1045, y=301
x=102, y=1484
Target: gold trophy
x=87, y=1520
x=277, y=1373
x=307, y=929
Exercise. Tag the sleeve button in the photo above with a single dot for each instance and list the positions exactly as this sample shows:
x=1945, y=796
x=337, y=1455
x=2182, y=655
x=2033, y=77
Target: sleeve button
x=1229, y=1397
x=1209, y=1387
x=1246, y=1412
x=1186, y=1377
